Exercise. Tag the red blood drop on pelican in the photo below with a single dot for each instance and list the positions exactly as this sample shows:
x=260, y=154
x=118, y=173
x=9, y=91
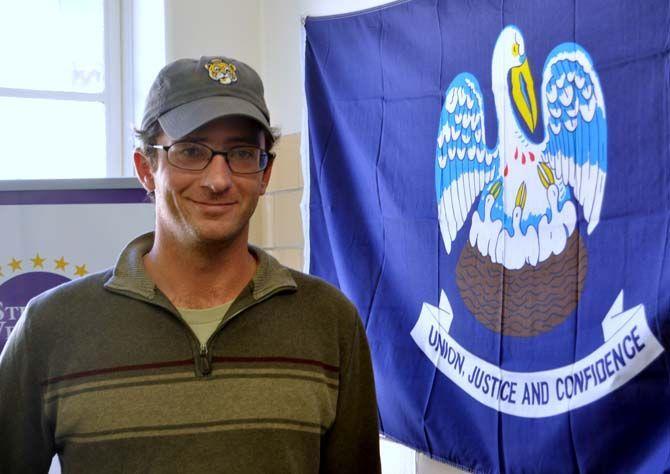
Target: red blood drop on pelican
x=523, y=158
x=516, y=153
x=506, y=170
x=532, y=157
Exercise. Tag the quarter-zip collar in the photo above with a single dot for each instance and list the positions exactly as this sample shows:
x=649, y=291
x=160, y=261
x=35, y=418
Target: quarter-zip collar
x=130, y=278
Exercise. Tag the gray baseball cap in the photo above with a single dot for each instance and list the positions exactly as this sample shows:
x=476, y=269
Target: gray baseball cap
x=188, y=93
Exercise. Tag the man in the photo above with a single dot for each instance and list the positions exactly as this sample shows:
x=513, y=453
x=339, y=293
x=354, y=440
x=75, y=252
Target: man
x=196, y=352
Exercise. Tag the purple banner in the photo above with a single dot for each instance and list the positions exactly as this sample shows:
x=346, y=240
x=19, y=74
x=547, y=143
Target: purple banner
x=80, y=196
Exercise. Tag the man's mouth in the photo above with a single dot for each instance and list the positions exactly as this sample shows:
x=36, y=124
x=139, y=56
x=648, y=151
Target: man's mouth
x=213, y=204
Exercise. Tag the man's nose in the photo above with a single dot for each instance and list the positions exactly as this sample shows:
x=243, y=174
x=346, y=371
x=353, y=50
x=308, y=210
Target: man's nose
x=217, y=177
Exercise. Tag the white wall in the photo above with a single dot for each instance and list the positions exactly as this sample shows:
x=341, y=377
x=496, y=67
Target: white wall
x=281, y=71
x=197, y=28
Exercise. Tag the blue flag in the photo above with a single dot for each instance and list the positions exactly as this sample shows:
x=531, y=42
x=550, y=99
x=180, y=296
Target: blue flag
x=489, y=182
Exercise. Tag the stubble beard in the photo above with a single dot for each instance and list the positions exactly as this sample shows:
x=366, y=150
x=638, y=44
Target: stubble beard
x=191, y=232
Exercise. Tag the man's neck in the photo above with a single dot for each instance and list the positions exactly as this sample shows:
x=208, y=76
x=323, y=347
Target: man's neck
x=199, y=276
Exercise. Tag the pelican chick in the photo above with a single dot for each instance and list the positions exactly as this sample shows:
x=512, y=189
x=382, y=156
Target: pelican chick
x=553, y=233
x=484, y=231
x=517, y=249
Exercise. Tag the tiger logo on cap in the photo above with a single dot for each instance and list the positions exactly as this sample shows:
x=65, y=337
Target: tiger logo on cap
x=221, y=71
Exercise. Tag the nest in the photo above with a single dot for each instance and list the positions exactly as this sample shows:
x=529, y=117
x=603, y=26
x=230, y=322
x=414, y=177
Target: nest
x=524, y=302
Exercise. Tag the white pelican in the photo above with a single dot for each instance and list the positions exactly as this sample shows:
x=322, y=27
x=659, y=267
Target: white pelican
x=574, y=151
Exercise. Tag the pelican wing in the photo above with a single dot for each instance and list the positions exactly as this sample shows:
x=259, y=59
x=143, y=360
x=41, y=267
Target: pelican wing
x=463, y=163
x=575, y=144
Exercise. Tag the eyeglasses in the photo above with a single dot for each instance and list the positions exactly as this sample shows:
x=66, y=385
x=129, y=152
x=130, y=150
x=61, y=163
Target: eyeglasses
x=196, y=157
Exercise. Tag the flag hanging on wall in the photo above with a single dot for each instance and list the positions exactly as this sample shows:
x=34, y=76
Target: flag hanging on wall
x=489, y=182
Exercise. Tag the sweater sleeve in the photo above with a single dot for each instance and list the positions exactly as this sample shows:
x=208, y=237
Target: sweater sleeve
x=352, y=443
x=26, y=444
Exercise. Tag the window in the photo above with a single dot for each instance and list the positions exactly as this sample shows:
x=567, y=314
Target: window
x=60, y=89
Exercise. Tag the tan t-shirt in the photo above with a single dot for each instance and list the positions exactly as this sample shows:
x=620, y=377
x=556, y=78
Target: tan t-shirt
x=204, y=322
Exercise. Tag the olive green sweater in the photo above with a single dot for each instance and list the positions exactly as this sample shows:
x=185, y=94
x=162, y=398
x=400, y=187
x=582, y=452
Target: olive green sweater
x=104, y=372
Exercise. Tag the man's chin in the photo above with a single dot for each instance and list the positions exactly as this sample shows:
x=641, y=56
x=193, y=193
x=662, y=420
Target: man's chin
x=216, y=235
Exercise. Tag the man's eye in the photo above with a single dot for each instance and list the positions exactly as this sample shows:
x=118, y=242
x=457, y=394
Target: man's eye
x=191, y=152
x=244, y=154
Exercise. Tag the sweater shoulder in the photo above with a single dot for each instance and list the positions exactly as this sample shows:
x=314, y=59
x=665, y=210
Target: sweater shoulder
x=87, y=286
x=320, y=287
x=65, y=298
x=324, y=298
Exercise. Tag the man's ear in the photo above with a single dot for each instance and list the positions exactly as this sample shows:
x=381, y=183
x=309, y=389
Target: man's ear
x=144, y=170
x=265, y=180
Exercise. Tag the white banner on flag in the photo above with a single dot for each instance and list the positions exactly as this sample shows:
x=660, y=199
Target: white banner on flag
x=629, y=346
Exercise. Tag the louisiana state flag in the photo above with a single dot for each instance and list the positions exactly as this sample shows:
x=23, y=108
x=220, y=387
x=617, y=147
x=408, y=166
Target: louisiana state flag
x=489, y=182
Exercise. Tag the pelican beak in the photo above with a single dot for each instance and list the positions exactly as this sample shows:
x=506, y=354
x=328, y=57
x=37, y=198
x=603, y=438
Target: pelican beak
x=521, y=196
x=546, y=175
x=495, y=190
x=523, y=92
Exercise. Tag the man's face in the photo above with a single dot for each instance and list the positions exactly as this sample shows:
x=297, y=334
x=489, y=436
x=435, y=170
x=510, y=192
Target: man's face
x=213, y=205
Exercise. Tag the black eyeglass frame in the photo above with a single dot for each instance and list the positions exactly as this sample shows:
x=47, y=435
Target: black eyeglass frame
x=265, y=156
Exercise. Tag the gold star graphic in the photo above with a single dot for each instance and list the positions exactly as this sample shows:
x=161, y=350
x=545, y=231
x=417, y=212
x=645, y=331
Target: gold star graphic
x=15, y=264
x=38, y=261
x=61, y=263
x=80, y=270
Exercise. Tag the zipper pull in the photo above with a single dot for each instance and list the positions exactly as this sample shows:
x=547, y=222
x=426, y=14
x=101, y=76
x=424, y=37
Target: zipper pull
x=204, y=359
